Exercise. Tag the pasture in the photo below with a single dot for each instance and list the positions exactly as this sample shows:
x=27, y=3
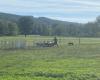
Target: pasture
x=75, y=62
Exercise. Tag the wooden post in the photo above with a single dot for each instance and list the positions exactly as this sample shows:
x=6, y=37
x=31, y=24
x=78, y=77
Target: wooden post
x=79, y=40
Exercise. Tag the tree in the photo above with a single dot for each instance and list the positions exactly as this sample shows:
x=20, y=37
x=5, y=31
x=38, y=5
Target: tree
x=12, y=29
x=98, y=19
x=3, y=28
x=26, y=25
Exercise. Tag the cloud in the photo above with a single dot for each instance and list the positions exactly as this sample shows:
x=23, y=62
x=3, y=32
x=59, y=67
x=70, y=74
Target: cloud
x=58, y=9
x=74, y=19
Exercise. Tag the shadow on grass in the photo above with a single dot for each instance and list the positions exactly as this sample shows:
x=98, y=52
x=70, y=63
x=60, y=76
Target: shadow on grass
x=68, y=75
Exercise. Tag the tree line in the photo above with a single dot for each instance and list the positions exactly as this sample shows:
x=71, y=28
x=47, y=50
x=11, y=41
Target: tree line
x=28, y=25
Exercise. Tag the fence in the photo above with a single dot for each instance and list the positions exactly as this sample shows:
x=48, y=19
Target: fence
x=16, y=44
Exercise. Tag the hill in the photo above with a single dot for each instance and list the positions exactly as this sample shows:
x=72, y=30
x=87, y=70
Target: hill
x=47, y=26
x=9, y=17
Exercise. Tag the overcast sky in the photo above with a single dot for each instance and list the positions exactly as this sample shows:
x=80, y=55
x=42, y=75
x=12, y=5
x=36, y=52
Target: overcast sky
x=67, y=10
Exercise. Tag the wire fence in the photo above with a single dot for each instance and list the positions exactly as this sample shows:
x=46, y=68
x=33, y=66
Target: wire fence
x=16, y=44
x=31, y=44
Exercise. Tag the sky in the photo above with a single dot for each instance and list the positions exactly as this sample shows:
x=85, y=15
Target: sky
x=81, y=11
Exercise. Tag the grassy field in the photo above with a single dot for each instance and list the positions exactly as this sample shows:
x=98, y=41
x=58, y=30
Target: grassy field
x=77, y=62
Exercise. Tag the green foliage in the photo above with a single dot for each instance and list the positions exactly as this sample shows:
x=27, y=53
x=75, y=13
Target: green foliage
x=26, y=25
x=13, y=29
x=44, y=26
x=8, y=28
x=2, y=28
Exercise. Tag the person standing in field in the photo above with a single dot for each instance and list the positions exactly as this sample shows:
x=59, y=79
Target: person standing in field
x=55, y=41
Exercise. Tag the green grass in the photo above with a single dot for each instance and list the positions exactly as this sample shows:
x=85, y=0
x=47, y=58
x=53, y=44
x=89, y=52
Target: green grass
x=77, y=62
